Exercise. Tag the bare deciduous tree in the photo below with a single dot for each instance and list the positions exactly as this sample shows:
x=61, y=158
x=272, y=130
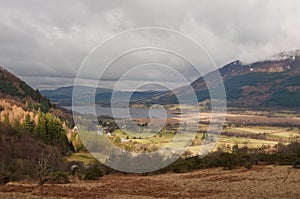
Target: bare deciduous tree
x=43, y=166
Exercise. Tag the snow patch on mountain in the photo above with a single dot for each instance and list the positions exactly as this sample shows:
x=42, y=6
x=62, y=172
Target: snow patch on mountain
x=285, y=55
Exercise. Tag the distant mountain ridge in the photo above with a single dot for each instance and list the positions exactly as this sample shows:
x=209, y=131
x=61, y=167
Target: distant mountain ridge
x=274, y=82
x=63, y=96
x=265, y=83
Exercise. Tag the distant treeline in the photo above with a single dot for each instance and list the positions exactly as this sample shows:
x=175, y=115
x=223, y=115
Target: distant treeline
x=240, y=157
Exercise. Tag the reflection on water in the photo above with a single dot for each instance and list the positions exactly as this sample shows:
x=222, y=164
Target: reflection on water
x=122, y=112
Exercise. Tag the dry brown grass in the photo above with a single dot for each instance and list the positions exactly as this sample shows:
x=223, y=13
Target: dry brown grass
x=260, y=182
x=258, y=119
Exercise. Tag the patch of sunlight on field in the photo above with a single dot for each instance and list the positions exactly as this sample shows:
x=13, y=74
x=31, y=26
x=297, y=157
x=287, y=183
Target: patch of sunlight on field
x=257, y=130
x=84, y=157
x=194, y=149
x=156, y=138
x=286, y=134
x=119, y=133
x=273, y=135
x=181, y=107
x=287, y=113
x=164, y=138
x=241, y=140
x=133, y=135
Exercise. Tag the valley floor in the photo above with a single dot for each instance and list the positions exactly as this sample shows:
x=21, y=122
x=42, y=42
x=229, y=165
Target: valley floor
x=259, y=182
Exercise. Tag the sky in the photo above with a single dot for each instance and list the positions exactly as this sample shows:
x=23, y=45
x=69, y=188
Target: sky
x=46, y=42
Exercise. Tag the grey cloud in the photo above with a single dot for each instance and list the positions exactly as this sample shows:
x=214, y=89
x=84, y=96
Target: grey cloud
x=45, y=42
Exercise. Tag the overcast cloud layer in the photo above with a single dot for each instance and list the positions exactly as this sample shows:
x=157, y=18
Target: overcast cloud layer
x=44, y=42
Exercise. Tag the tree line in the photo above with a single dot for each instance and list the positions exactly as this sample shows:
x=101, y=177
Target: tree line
x=22, y=143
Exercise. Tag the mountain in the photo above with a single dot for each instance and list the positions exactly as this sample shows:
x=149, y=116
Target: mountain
x=63, y=96
x=274, y=82
x=17, y=99
x=30, y=126
x=13, y=87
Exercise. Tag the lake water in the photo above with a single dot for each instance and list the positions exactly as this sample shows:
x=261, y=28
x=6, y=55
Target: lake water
x=122, y=112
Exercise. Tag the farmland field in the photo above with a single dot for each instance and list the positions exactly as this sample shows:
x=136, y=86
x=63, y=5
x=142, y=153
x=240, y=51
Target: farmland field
x=246, y=128
x=250, y=129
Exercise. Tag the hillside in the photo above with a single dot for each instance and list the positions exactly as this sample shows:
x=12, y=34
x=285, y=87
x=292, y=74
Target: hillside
x=275, y=82
x=29, y=127
x=14, y=88
x=261, y=181
x=18, y=99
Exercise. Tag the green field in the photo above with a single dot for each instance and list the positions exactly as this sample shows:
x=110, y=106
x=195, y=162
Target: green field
x=250, y=136
x=84, y=157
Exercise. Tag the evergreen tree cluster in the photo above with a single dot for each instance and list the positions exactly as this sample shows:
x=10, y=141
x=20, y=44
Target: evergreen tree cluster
x=48, y=128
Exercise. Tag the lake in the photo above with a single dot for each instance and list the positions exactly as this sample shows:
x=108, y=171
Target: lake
x=122, y=112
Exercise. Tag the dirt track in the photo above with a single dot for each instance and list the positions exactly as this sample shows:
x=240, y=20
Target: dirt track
x=260, y=182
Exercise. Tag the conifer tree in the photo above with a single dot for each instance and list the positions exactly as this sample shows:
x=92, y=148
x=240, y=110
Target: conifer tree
x=41, y=127
x=29, y=124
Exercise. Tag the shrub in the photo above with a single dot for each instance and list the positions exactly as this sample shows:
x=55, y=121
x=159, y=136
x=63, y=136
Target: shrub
x=296, y=163
x=94, y=172
x=4, y=178
x=59, y=178
x=248, y=165
x=230, y=161
x=117, y=140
